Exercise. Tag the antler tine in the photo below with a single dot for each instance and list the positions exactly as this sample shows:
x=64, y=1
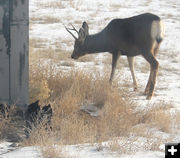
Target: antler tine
x=70, y=32
x=74, y=28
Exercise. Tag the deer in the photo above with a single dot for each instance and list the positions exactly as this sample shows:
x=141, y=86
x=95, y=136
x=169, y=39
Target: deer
x=137, y=35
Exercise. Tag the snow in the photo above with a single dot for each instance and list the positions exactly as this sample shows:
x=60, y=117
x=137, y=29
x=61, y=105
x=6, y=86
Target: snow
x=145, y=154
x=80, y=151
x=7, y=150
x=98, y=14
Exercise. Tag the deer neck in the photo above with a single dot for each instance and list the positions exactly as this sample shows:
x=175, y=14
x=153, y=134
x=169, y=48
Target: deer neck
x=95, y=43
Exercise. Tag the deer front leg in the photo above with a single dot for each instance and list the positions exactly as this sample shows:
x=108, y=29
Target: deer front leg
x=131, y=66
x=115, y=57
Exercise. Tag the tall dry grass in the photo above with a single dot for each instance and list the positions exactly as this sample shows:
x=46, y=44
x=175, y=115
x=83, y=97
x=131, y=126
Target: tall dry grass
x=68, y=91
x=11, y=123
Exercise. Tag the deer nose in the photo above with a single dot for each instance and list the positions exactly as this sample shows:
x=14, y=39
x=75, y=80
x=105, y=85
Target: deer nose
x=72, y=56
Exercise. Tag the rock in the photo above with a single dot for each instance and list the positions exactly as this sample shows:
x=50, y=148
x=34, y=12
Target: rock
x=92, y=108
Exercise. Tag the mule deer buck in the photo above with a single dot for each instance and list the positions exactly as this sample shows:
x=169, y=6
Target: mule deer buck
x=137, y=35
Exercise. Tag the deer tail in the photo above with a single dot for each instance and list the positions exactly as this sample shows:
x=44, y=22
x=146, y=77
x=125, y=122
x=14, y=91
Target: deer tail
x=157, y=30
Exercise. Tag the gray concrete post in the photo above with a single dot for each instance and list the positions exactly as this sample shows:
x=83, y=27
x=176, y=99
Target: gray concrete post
x=14, y=49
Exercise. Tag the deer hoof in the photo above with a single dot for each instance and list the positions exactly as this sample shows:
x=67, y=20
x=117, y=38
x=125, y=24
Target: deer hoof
x=146, y=92
x=135, y=89
x=149, y=97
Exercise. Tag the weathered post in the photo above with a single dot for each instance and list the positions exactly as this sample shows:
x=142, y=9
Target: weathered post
x=14, y=49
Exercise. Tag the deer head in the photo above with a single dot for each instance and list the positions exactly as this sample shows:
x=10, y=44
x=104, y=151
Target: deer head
x=79, y=42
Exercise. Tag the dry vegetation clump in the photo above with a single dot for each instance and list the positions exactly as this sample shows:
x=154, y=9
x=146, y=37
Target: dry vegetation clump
x=158, y=116
x=4, y=127
x=45, y=139
x=11, y=123
x=52, y=152
x=178, y=117
x=67, y=92
x=115, y=6
x=56, y=4
x=53, y=4
x=39, y=53
x=39, y=134
x=160, y=119
x=37, y=42
x=45, y=20
x=177, y=121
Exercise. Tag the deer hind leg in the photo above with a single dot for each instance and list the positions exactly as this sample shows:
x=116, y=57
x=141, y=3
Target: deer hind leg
x=155, y=52
x=156, y=49
x=131, y=66
x=115, y=57
x=146, y=91
x=153, y=74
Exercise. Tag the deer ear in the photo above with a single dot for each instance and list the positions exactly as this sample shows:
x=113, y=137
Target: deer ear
x=81, y=35
x=85, y=27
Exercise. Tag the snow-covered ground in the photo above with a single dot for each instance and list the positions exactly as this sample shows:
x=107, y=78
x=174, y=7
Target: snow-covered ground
x=97, y=14
x=79, y=151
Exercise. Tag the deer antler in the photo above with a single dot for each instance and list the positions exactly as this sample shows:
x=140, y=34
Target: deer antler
x=71, y=32
x=73, y=28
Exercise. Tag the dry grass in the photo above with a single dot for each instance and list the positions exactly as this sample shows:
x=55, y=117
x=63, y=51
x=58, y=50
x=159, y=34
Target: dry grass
x=68, y=91
x=178, y=117
x=53, y=152
x=161, y=119
x=115, y=6
x=45, y=20
x=177, y=121
x=11, y=124
x=67, y=63
x=148, y=2
x=4, y=127
x=56, y=4
x=45, y=139
x=39, y=51
x=132, y=145
x=78, y=127
x=37, y=43
x=39, y=136
x=50, y=152
x=87, y=58
x=53, y=4
x=122, y=62
x=158, y=116
x=49, y=55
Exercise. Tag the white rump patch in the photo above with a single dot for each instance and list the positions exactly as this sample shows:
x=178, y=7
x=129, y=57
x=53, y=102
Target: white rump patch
x=157, y=29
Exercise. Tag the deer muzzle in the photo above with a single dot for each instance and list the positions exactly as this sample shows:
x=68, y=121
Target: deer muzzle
x=74, y=57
